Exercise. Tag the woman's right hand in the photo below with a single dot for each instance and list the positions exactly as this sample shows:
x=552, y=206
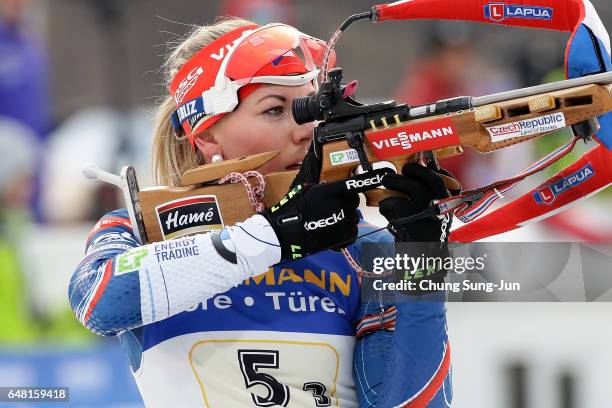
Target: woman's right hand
x=322, y=216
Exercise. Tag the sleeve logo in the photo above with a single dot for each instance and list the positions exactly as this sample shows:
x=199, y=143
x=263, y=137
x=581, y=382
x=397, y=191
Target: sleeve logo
x=548, y=193
x=501, y=11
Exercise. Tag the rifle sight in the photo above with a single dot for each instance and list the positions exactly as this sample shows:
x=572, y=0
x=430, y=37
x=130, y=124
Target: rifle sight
x=317, y=107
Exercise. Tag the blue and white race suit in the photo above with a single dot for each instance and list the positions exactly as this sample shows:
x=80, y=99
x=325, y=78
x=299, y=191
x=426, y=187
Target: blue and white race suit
x=201, y=331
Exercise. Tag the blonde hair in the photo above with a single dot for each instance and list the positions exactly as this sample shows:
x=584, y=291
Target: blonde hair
x=173, y=155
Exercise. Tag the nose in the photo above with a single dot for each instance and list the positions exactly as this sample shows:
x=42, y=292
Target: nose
x=302, y=133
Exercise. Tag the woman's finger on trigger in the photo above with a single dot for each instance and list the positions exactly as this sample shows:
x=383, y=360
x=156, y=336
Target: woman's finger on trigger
x=390, y=206
x=427, y=176
x=419, y=193
x=338, y=190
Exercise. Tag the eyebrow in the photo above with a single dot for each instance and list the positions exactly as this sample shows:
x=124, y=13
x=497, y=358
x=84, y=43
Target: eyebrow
x=279, y=97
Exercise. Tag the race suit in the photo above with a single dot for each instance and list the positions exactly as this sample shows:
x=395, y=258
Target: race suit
x=201, y=331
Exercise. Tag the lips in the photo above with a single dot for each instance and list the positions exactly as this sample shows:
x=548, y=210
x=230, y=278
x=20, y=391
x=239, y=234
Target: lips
x=295, y=166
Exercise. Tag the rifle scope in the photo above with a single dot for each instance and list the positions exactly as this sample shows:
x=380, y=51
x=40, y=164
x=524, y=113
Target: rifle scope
x=310, y=108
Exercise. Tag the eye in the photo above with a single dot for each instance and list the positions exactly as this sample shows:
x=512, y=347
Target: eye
x=275, y=111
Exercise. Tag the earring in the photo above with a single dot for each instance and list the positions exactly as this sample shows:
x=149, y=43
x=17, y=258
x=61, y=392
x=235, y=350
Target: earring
x=217, y=158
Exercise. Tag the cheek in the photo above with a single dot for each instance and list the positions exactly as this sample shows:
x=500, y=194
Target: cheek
x=252, y=136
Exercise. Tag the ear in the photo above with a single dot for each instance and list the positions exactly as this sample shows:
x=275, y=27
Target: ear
x=207, y=145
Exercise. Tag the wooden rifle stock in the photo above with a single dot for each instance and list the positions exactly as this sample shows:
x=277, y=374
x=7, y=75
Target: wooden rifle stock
x=578, y=105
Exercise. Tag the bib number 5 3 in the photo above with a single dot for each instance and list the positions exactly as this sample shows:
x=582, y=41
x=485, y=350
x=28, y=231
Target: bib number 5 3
x=278, y=394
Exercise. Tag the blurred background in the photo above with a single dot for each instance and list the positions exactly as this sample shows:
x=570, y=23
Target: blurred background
x=78, y=84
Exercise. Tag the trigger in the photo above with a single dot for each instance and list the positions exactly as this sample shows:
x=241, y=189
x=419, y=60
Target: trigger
x=451, y=183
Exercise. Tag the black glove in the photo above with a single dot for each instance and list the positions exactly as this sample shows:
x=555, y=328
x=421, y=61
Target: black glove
x=422, y=185
x=311, y=218
x=310, y=170
x=430, y=234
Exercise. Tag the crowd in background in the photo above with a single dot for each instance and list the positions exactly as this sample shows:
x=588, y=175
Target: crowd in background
x=78, y=84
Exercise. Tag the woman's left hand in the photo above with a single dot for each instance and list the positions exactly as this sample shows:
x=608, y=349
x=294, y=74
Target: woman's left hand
x=422, y=185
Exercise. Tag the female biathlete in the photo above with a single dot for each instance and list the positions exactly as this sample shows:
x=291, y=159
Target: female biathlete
x=244, y=318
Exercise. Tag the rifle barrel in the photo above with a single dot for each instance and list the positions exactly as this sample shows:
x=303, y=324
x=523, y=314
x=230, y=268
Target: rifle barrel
x=476, y=101
x=599, y=79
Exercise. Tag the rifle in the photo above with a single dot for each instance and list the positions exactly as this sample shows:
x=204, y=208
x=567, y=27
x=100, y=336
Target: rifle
x=353, y=135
